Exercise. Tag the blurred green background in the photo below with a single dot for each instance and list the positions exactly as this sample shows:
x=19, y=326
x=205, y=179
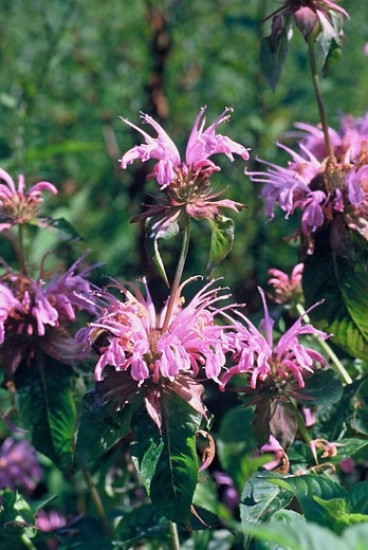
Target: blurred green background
x=70, y=68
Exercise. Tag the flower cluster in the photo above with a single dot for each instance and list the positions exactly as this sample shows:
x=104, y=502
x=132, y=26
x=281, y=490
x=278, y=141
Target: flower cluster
x=35, y=313
x=19, y=466
x=18, y=206
x=130, y=335
x=260, y=359
x=330, y=192
x=287, y=289
x=186, y=185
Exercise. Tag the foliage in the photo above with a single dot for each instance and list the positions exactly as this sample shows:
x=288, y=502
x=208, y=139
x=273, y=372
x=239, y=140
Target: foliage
x=157, y=414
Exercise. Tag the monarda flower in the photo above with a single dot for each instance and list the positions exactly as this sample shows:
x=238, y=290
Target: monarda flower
x=261, y=359
x=287, y=290
x=19, y=466
x=186, y=185
x=151, y=355
x=129, y=336
x=18, y=206
x=36, y=314
x=331, y=193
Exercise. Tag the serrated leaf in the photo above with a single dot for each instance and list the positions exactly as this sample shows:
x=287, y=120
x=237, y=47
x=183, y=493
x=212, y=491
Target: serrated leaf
x=167, y=461
x=47, y=408
x=222, y=239
x=147, y=446
x=306, y=487
x=261, y=498
x=343, y=285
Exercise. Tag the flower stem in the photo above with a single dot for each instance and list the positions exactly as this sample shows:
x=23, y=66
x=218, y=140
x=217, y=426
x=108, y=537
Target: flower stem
x=175, y=543
x=178, y=274
x=301, y=425
x=97, y=502
x=318, y=95
x=336, y=361
x=20, y=250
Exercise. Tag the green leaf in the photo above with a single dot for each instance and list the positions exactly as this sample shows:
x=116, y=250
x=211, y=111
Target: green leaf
x=355, y=537
x=142, y=525
x=62, y=225
x=167, y=461
x=222, y=239
x=147, y=446
x=306, y=487
x=109, y=409
x=236, y=444
x=47, y=408
x=86, y=533
x=298, y=535
x=159, y=228
x=338, y=515
x=323, y=387
x=260, y=499
x=16, y=520
x=357, y=496
x=343, y=285
x=273, y=56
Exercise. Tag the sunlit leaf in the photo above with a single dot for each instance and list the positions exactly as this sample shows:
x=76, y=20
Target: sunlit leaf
x=222, y=239
x=167, y=461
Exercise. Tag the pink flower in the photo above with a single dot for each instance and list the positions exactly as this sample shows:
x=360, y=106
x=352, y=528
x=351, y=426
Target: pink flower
x=19, y=465
x=260, y=359
x=35, y=313
x=49, y=520
x=280, y=457
x=286, y=289
x=325, y=190
x=128, y=335
x=8, y=306
x=202, y=144
x=17, y=205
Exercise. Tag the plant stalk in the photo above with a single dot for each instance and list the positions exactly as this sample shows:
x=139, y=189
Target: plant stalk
x=178, y=274
x=318, y=96
x=336, y=361
x=175, y=543
x=97, y=502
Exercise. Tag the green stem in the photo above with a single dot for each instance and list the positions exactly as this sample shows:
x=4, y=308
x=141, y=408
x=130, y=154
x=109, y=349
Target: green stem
x=175, y=543
x=301, y=425
x=178, y=274
x=318, y=95
x=97, y=502
x=336, y=361
x=21, y=258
